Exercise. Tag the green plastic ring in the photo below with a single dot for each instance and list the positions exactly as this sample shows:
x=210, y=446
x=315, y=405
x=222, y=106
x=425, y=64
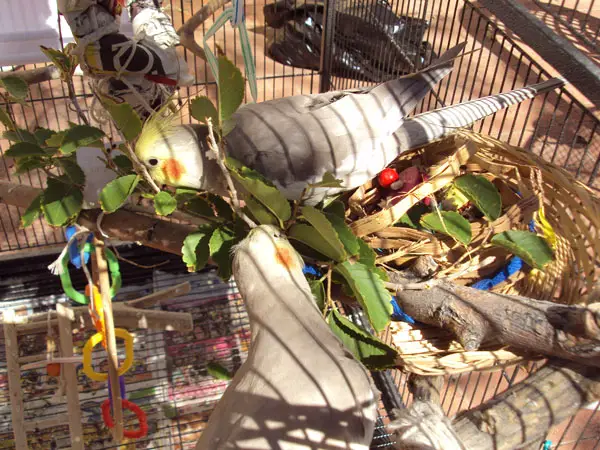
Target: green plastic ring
x=67, y=284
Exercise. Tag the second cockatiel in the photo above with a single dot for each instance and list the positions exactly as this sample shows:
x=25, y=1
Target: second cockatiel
x=299, y=388
x=294, y=141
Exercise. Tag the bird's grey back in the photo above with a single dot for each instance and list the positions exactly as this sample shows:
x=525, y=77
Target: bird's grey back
x=299, y=138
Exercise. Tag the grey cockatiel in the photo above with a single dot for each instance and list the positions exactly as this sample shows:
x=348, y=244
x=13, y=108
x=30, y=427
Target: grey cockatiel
x=299, y=387
x=294, y=141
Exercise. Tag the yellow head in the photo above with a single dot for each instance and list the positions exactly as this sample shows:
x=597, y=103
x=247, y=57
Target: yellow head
x=172, y=153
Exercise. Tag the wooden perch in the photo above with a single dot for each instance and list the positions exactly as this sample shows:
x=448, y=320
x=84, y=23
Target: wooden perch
x=125, y=315
x=517, y=418
x=474, y=316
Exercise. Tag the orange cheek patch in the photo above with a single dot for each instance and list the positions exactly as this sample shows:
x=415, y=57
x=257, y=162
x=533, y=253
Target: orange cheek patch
x=284, y=257
x=173, y=169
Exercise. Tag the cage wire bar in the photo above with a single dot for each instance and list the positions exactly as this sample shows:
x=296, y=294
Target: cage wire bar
x=581, y=19
x=556, y=126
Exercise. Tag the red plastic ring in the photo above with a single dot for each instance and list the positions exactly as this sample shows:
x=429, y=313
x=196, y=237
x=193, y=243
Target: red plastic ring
x=126, y=404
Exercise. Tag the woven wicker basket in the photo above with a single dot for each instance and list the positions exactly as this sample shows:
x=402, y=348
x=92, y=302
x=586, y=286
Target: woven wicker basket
x=525, y=182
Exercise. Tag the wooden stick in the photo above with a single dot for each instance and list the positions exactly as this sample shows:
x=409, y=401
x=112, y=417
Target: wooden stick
x=17, y=409
x=111, y=342
x=46, y=361
x=124, y=317
x=55, y=421
x=65, y=333
x=156, y=297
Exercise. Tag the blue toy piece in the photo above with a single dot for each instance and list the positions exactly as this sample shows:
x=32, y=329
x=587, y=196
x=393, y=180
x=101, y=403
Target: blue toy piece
x=513, y=266
x=400, y=315
x=74, y=253
x=309, y=269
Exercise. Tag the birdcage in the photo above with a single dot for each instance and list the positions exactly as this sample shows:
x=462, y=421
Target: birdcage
x=299, y=47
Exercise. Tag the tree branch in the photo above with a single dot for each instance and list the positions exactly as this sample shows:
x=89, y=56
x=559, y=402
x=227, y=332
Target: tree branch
x=524, y=413
x=186, y=32
x=123, y=225
x=517, y=418
x=34, y=76
x=565, y=331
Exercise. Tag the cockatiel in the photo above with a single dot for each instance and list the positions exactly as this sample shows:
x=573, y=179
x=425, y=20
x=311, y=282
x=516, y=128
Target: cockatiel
x=299, y=388
x=352, y=134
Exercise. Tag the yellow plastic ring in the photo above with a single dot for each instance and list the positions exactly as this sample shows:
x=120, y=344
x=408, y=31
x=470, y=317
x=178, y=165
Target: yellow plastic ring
x=95, y=340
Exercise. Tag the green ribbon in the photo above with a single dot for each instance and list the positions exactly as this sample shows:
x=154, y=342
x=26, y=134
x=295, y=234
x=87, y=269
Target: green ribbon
x=237, y=21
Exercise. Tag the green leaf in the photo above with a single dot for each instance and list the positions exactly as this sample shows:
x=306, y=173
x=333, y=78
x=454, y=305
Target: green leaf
x=199, y=206
x=231, y=88
x=412, y=218
x=61, y=202
x=223, y=208
x=123, y=163
x=115, y=193
x=308, y=235
x=24, y=165
x=195, y=249
x=368, y=349
x=453, y=225
x=24, y=149
x=15, y=86
x=268, y=195
x=127, y=120
x=259, y=213
x=164, y=203
x=218, y=371
x=367, y=256
x=318, y=290
x=482, y=193
x=184, y=194
x=42, y=135
x=327, y=231
x=221, y=242
x=20, y=135
x=337, y=208
x=369, y=290
x=72, y=170
x=202, y=108
x=345, y=234
x=56, y=139
x=530, y=247
x=80, y=136
x=32, y=212
x=65, y=63
x=328, y=181
x=6, y=120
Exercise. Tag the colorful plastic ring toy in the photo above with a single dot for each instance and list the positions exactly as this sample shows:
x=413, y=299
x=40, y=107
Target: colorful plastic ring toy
x=95, y=340
x=67, y=284
x=126, y=404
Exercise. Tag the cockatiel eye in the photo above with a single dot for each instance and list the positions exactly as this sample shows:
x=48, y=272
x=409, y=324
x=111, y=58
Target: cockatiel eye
x=153, y=161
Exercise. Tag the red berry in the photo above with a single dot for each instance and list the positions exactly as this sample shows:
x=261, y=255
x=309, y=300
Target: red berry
x=387, y=177
x=53, y=369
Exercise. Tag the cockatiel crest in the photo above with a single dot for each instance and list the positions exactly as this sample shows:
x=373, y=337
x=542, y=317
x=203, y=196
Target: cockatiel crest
x=177, y=155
